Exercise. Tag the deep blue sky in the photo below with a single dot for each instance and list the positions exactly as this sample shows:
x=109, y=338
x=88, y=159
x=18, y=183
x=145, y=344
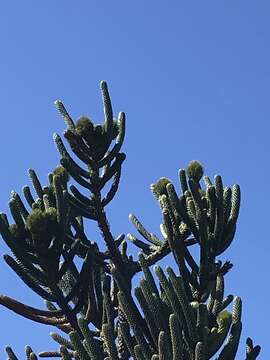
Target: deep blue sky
x=193, y=79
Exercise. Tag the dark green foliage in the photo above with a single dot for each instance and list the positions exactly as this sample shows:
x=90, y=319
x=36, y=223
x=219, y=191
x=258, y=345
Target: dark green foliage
x=62, y=173
x=195, y=171
x=180, y=314
x=85, y=127
x=39, y=222
x=159, y=188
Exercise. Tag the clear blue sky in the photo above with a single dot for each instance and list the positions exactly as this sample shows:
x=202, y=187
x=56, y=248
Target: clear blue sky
x=193, y=78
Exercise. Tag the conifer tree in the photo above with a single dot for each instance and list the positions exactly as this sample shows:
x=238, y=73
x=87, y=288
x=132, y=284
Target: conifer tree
x=178, y=313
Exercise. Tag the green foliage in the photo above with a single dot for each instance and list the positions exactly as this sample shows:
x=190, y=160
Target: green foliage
x=40, y=221
x=195, y=170
x=179, y=314
x=159, y=188
x=62, y=173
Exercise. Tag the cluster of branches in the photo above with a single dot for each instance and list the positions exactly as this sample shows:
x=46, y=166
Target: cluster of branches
x=181, y=313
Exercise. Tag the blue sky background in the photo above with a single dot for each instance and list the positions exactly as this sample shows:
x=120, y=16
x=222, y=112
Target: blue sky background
x=193, y=78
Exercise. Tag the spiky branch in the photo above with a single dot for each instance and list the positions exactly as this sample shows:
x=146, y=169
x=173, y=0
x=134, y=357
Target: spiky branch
x=180, y=313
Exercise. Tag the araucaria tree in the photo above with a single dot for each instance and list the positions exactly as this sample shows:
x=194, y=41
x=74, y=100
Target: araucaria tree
x=180, y=313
